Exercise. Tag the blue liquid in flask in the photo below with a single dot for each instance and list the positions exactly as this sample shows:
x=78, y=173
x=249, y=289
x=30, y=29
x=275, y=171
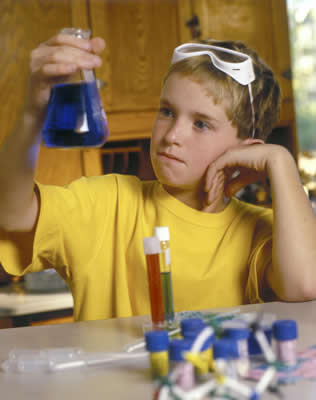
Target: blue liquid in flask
x=75, y=117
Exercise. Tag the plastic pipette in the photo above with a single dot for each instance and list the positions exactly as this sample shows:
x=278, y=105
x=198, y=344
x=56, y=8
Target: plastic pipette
x=29, y=361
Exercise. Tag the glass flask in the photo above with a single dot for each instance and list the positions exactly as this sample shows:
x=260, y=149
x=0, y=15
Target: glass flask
x=75, y=115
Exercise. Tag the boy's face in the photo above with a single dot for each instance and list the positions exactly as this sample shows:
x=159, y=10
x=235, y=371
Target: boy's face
x=189, y=133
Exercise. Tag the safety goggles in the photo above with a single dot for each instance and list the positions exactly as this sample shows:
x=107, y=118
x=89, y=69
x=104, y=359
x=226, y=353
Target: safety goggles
x=242, y=71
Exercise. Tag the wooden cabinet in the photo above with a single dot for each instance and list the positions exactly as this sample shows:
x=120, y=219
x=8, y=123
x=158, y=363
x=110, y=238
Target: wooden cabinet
x=140, y=36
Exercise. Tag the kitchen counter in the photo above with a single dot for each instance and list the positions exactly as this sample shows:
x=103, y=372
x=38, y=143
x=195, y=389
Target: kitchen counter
x=20, y=307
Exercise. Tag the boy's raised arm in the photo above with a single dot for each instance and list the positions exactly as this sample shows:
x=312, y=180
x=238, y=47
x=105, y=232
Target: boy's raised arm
x=51, y=62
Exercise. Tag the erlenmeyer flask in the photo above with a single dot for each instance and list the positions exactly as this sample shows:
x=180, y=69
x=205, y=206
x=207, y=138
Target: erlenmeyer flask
x=75, y=115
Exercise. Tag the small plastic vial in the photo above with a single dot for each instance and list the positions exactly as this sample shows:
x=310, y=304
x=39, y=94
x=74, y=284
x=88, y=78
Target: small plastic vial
x=206, y=352
x=265, y=324
x=157, y=343
x=225, y=353
x=238, y=330
x=285, y=333
x=184, y=370
x=190, y=328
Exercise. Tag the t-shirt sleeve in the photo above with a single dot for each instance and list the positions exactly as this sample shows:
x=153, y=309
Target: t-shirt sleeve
x=71, y=221
x=257, y=289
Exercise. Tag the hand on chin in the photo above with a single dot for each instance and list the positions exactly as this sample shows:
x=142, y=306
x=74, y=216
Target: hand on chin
x=215, y=200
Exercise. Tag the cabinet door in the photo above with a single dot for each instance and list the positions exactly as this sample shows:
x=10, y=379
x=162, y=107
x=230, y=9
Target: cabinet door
x=23, y=25
x=140, y=37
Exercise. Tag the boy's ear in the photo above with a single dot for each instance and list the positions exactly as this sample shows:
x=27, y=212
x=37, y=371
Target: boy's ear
x=252, y=141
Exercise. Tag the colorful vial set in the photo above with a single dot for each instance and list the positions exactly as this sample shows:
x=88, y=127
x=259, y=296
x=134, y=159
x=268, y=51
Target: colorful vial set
x=202, y=362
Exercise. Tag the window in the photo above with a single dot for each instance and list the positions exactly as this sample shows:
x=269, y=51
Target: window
x=302, y=23
x=302, y=26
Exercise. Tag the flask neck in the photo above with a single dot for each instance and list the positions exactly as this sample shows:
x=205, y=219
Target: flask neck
x=84, y=75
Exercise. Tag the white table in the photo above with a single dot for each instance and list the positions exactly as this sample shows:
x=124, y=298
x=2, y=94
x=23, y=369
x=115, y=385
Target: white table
x=120, y=381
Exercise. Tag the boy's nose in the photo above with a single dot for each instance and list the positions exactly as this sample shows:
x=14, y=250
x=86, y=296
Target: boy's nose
x=175, y=133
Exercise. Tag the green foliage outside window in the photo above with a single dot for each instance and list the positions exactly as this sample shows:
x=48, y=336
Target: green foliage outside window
x=302, y=23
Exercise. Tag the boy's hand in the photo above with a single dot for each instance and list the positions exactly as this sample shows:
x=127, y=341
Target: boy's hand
x=236, y=168
x=56, y=61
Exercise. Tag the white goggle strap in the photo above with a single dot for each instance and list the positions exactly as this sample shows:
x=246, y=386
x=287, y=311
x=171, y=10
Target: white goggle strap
x=252, y=111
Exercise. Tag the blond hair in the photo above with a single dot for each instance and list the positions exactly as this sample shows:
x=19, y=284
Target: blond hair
x=223, y=89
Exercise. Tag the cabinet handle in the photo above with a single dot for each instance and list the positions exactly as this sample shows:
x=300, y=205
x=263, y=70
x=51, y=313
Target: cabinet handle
x=194, y=25
x=287, y=74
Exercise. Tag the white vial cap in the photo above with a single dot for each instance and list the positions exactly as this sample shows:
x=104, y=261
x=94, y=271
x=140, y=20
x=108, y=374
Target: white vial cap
x=151, y=245
x=162, y=233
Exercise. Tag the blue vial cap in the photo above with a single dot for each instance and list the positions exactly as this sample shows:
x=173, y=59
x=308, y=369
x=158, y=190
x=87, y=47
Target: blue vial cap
x=236, y=330
x=192, y=324
x=285, y=329
x=156, y=341
x=253, y=345
x=176, y=347
x=254, y=396
x=226, y=349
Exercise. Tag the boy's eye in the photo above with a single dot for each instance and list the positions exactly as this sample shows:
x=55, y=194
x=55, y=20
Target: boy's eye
x=165, y=111
x=201, y=125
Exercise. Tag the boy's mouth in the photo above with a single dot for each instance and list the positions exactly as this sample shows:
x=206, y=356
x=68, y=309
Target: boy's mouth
x=169, y=156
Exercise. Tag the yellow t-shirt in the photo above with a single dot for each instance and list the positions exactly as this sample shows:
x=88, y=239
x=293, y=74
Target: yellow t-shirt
x=92, y=232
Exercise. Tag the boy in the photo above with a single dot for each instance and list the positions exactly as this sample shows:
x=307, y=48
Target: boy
x=212, y=121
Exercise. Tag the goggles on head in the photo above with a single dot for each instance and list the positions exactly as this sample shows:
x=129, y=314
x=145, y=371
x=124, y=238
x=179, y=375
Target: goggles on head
x=242, y=72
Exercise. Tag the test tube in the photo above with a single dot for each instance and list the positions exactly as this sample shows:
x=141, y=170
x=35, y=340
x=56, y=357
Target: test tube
x=152, y=252
x=162, y=233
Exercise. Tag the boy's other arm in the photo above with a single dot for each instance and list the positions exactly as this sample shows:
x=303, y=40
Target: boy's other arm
x=292, y=275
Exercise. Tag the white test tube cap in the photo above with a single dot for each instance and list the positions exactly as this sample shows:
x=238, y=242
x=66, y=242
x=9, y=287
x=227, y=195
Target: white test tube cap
x=151, y=245
x=162, y=233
